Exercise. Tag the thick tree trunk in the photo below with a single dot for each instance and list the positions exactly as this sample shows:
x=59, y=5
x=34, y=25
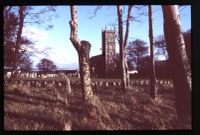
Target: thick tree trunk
x=178, y=60
x=18, y=39
x=153, y=76
x=83, y=49
x=87, y=93
x=127, y=73
x=122, y=43
x=121, y=46
x=125, y=43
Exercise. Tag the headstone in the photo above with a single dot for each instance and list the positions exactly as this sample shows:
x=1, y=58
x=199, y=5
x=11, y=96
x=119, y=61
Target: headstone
x=114, y=84
x=53, y=82
x=93, y=84
x=100, y=83
x=96, y=84
x=39, y=84
x=131, y=83
x=141, y=82
x=106, y=83
x=28, y=83
x=32, y=83
x=78, y=75
x=119, y=83
x=161, y=82
x=22, y=82
x=146, y=82
x=136, y=81
x=68, y=85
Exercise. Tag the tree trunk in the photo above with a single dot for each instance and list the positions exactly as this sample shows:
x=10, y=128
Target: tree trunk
x=178, y=60
x=122, y=43
x=153, y=76
x=83, y=49
x=18, y=39
x=127, y=73
x=125, y=43
x=121, y=46
x=87, y=93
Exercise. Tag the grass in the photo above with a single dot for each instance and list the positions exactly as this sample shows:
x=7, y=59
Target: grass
x=52, y=108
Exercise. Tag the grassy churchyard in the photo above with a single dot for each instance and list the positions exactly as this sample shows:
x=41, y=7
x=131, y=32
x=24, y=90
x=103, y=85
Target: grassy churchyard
x=47, y=104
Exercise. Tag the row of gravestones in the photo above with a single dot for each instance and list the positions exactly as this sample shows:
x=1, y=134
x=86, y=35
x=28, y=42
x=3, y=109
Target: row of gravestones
x=40, y=83
x=118, y=84
x=35, y=83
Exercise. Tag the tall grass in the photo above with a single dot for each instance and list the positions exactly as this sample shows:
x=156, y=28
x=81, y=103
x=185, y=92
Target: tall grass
x=52, y=108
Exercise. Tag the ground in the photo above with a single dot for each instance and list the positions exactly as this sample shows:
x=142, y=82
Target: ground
x=53, y=108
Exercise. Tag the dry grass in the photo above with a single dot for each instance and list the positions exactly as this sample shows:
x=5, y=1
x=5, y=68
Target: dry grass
x=50, y=108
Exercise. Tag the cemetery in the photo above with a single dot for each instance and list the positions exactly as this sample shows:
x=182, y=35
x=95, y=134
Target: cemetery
x=56, y=81
x=38, y=98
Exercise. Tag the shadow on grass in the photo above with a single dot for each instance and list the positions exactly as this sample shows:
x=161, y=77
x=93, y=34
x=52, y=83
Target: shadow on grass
x=107, y=111
x=32, y=100
x=55, y=125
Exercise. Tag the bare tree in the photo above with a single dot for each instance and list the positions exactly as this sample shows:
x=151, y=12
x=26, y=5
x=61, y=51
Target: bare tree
x=46, y=65
x=16, y=17
x=83, y=49
x=178, y=59
x=122, y=43
x=19, y=35
x=160, y=45
x=135, y=52
x=25, y=63
x=153, y=76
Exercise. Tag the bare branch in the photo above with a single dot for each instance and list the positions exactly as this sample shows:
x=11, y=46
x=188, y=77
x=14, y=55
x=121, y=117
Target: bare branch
x=117, y=37
x=36, y=17
x=181, y=7
x=120, y=23
x=127, y=24
x=74, y=28
x=95, y=11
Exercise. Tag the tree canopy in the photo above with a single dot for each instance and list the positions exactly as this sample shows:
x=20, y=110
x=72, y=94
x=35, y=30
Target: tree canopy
x=135, y=51
x=19, y=48
x=45, y=65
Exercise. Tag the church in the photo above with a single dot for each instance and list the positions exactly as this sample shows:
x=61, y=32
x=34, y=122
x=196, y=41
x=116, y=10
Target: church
x=105, y=64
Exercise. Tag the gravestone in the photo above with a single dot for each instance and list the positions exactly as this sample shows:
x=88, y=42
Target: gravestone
x=141, y=82
x=100, y=84
x=28, y=83
x=68, y=85
x=119, y=83
x=114, y=84
x=106, y=84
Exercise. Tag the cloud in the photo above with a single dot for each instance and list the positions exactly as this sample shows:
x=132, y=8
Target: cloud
x=34, y=34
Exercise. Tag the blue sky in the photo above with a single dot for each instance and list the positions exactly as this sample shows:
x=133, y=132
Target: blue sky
x=62, y=51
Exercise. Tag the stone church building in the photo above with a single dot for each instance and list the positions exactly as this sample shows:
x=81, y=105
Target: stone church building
x=105, y=64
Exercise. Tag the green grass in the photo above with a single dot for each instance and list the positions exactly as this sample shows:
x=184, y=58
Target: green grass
x=51, y=108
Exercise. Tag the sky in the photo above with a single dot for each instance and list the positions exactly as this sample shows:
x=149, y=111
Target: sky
x=63, y=53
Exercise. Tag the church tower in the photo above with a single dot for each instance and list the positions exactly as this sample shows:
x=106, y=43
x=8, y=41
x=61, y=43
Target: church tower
x=108, y=48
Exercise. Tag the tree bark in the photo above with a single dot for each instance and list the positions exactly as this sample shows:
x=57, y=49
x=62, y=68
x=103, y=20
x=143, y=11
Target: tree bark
x=125, y=43
x=121, y=46
x=122, y=43
x=178, y=60
x=83, y=49
x=153, y=76
x=18, y=39
x=87, y=93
